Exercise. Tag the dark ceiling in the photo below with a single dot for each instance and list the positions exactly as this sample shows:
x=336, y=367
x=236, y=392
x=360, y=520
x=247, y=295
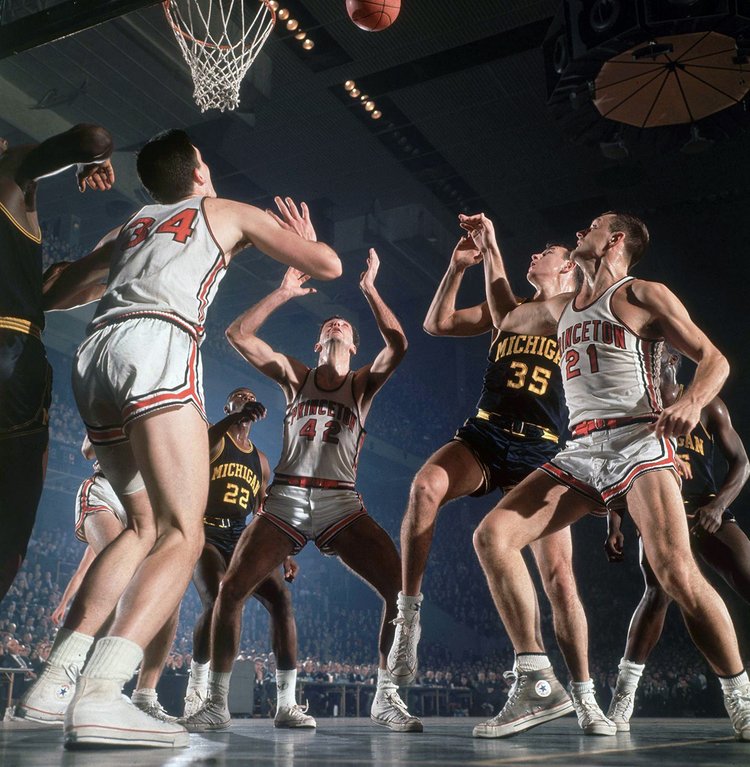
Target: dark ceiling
x=463, y=84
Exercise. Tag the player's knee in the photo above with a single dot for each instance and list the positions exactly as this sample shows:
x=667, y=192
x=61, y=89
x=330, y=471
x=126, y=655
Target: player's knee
x=487, y=541
x=559, y=583
x=678, y=580
x=656, y=598
x=232, y=594
x=427, y=491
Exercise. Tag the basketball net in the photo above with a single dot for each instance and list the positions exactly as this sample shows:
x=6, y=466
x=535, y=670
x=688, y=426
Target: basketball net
x=219, y=40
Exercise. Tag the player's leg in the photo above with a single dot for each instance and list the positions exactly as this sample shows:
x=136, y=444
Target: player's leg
x=260, y=550
x=277, y=599
x=209, y=570
x=554, y=558
x=537, y=507
x=366, y=549
x=644, y=631
x=451, y=472
x=657, y=508
x=728, y=552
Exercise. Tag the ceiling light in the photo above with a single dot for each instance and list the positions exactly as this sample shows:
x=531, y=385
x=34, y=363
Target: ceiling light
x=369, y=105
x=308, y=45
x=273, y=5
x=300, y=35
x=376, y=115
x=354, y=92
x=283, y=14
x=349, y=85
x=292, y=24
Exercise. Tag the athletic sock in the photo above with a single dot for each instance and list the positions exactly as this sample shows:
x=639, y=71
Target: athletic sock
x=531, y=661
x=70, y=647
x=114, y=658
x=286, y=688
x=218, y=686
x=408, y=604
x=198, y=676
x=629, y=675
x=144, y=695
x=732, y=683
x=581, y=688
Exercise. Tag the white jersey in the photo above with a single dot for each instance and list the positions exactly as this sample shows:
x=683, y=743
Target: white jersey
x=166, y=260
x=608, y=371
x=323, y=432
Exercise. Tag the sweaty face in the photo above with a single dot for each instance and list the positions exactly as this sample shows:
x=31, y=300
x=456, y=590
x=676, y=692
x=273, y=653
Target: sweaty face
x=593, y=240
x=337, y=330
x=547, y=263
x=237, y=401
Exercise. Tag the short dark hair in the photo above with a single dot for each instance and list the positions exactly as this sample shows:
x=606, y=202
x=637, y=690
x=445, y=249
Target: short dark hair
x=238, y=389
x=355, y=334
x=636, y=233
x=166, y=164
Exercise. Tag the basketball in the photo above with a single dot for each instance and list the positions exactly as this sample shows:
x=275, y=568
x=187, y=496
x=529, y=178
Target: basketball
x=373, y=15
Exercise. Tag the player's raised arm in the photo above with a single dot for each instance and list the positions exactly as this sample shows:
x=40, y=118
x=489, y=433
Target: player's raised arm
x=500, y=297
x=243, y=333
x=288, y=237
x=670, y=319
x=388, y=359
x=443, y=319
x=81, y=281
x=88, y=146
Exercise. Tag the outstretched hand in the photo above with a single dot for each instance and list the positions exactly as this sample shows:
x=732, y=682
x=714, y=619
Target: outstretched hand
x=480, y=229
x=291, y=219
x=466, y=253
x=252, y=412
x=96, y=175
x=367, y=278
x=294, y=281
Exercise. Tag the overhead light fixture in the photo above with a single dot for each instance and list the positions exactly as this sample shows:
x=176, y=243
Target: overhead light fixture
x=292, y=24
x=354, y=92
x=349, y=85
x=376, y=115
x=308, y=44
x=300, y=35
x=369, y=106
x=283, y=14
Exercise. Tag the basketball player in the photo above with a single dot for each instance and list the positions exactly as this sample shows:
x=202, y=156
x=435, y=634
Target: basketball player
x=239, y=475
x=137, y=381
x=715, y=536
x=25, y=375
x=312, y=496
x=100, y=518
x=521, y=415
x=610, y=335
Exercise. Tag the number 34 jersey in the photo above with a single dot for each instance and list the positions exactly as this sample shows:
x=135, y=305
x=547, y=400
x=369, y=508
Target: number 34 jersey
x=165, y=260
x=234, y=481
x=608, y=371
x=323, y=432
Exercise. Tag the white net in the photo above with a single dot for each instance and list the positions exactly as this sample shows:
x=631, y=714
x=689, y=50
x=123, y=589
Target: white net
x=219, y=40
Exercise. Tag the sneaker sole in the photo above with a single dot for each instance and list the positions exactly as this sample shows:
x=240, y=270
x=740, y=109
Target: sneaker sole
x=94, y=736
x=601, y=730
x=293, y=726
x=521, y=725
x=41, y=717
x=408, y=727
x=190, y=727
x=622, y=726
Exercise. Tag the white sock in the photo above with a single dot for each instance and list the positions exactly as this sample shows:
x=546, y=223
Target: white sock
x=144, y=695
x=218, y=686
x=409, y=605
x=286, y=688
x=114, y=658
x=731, y=683
x=198, y=676
x=532, y=661
x=385, y=682
x=629, y=676
x=70, y=647
x=582, y=688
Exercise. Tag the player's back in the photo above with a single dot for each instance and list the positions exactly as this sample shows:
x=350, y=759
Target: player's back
x=166, y=260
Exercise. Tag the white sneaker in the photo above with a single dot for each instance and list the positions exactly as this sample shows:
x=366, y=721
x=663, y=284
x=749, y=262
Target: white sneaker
x=48, y=698
x=194, y=701
x=155, y=709
x=621, y=709
x=737, y=703
x=390, y=711
x=213, y=715
x=100, y=716
x=591, y=718
x=402, y=659
x=294, y=717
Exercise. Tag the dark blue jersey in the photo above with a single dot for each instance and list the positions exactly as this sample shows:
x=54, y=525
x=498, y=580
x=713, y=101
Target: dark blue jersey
x=236, y=479
x=523, y=381
x=697, y=449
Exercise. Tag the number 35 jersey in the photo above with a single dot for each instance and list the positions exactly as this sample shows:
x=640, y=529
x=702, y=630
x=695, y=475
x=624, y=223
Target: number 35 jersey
x=234, y=481
x=166, y=260
x=522, y=381
x=608, y=371
x=323, y=432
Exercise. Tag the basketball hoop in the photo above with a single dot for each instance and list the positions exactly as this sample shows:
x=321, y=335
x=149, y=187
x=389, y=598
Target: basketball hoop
x=219, y=40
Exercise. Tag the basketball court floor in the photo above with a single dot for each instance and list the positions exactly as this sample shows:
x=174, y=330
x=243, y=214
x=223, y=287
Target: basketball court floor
x=357, y=742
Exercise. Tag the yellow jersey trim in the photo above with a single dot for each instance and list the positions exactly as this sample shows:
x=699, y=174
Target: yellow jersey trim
x=20, y=326
x=37, y=238
x=485, y=415
x=239, y=447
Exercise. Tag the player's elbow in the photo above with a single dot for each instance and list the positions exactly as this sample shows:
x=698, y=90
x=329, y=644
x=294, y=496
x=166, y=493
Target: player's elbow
x=328, y=265
x=94, y=141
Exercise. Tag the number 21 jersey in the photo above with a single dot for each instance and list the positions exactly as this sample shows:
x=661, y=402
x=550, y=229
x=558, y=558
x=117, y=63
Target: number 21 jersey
x=323, y=432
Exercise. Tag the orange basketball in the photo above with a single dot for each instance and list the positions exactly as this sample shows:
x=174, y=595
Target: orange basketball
x=373, y=15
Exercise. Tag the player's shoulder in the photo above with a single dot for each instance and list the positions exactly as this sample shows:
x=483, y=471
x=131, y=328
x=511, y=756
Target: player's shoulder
x=648, y=293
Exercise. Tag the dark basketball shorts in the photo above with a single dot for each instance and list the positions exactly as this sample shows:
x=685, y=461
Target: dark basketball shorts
x=25, y=384
x=225, y=539
x=505, y=458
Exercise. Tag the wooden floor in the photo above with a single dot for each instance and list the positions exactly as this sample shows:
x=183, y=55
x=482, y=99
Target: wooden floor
x=357, y=742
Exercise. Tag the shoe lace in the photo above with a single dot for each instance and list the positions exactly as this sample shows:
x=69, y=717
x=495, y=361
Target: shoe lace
x=297, y=709
x=404, y=635
x=738, y=705
x=621, y=703
x=395, y=700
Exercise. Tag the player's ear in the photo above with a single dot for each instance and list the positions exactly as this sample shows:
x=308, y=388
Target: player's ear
x=317, y=348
